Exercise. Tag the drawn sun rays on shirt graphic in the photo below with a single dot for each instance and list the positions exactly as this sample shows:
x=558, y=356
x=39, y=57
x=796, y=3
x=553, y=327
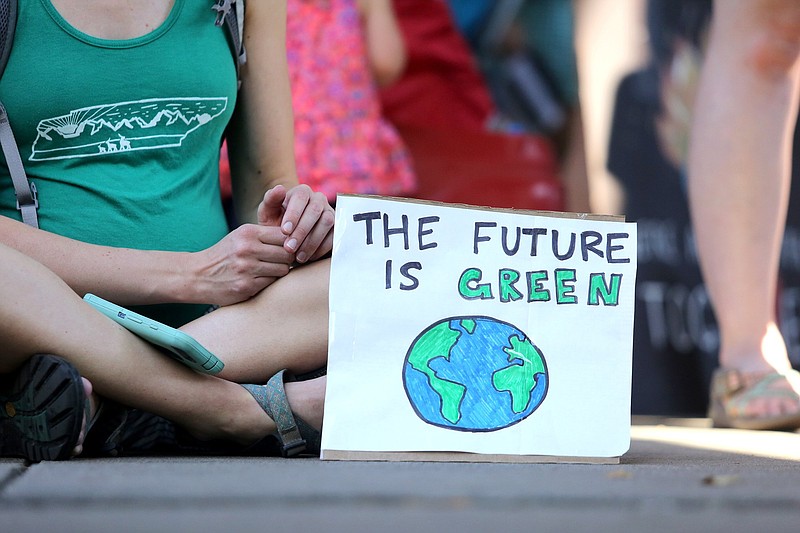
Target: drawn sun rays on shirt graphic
x=126, y=126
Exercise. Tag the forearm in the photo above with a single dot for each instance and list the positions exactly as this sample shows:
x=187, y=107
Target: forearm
x=124, y=275
x=386, y=49
x=261, y=146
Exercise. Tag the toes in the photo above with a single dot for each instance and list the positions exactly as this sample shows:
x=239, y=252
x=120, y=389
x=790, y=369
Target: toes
x=87, y=390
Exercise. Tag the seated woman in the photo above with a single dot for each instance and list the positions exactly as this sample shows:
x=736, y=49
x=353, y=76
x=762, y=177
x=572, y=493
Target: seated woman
x=129, y=209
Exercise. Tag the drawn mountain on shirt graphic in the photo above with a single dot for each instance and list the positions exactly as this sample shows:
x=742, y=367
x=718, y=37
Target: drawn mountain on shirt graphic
x=125, y=126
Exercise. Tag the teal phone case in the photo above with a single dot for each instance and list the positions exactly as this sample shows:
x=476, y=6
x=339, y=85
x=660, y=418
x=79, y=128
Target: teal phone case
x=179, y=345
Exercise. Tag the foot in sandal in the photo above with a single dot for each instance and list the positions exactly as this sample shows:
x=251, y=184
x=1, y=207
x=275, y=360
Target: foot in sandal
x=763, y=401
x=294, y=435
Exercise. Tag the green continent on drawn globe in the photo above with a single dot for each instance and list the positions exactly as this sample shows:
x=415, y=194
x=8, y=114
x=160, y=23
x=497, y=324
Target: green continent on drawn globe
x=474, y=373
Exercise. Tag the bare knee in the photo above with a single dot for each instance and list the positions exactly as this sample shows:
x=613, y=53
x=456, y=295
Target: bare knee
x=775, y=41
x=775, y=57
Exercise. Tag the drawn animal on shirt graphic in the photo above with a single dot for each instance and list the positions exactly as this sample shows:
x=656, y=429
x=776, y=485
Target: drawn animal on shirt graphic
x=125, y=126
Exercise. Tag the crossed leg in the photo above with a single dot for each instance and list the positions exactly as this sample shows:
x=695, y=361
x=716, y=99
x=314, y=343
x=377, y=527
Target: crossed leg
x=39, y=313
x=284, y=326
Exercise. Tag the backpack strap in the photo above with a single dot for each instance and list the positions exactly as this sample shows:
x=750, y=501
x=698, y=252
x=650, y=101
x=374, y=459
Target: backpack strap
x=25, y=190
x=231, y=14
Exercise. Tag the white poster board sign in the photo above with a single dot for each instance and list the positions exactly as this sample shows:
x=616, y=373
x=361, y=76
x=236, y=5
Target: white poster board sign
x=458, y=329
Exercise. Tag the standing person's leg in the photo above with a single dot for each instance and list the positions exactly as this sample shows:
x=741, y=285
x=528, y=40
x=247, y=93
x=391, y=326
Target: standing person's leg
x=41, y=314
x=739, y=174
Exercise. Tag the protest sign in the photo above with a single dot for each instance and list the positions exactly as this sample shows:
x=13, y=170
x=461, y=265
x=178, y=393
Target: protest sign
x=454, y=330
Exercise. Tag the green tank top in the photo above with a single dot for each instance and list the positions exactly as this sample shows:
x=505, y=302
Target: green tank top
x=121, y=137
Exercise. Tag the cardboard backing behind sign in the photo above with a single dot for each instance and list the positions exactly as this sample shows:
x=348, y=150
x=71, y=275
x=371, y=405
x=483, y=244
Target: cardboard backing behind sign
x=454, y=338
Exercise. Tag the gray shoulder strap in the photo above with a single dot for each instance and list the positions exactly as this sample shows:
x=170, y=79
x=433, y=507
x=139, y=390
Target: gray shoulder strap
x=231, y=13
x=27, y=202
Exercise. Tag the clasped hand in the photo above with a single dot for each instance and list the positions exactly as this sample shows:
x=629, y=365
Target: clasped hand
x=294, y=226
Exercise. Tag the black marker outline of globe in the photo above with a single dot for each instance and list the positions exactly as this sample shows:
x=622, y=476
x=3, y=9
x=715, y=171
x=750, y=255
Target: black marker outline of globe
x=533, y=405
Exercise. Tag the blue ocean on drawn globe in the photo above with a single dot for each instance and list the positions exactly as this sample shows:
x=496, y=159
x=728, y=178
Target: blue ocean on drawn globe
x=474, y=374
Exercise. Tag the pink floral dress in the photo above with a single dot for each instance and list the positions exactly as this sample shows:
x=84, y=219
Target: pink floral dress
x=342, y=143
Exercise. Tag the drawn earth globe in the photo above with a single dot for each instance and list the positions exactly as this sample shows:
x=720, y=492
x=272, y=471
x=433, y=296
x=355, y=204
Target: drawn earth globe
x=474, y=373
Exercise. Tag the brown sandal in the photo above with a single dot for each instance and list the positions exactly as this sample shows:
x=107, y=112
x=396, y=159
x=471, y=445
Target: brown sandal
x=732, y=391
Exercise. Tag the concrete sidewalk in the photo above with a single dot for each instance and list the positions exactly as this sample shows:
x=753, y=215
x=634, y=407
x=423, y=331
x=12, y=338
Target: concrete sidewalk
x=678, y=476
